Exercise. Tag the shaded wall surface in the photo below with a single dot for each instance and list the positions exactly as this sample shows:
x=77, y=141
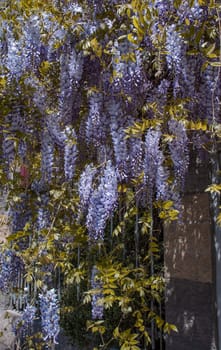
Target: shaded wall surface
x=189, y=270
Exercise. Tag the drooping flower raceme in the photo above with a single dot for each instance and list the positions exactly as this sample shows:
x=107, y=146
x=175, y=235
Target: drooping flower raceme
x=47, y=157
x=15, y=63
x=57, y=135
x=96, y=309
x=193, y=13
x=5, y=271
x=43, y=217
x=28, y=315
x=15, y=123
x=174, y=48
x=95, y=125
x=71, y=68
x=162, y=175
x=209, y=94
x=23, y=326
x=179, y=149
x=85, y=188
x=10, y=268
x=151, y=157
x=163, y=7
x=130, y=77
x=102, y=203
x=8, y=149
x=49, y=308
x=70, y=153
x=117, y=130
x=75, y=66
x=20, y=213
x=66, y=93
x=136, y=156
x=155, y=172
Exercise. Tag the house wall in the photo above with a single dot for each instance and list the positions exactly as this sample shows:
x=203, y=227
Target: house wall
x=190, y=268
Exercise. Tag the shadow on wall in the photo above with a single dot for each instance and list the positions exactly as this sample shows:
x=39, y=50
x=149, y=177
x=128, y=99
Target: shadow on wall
x=189, y=306
x=189, y=279
x=188, y=245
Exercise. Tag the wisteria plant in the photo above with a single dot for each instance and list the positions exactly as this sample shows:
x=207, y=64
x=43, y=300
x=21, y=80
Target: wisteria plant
x=101, y=103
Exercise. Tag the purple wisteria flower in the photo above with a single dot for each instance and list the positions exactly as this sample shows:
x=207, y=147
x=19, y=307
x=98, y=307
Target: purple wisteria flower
x=28, y=315
x=20, y=213
x=136, y=152
x=179, y=149
x=70, y=153
x=130, y=77
x=175, y=48
x=15, y=123
x=8, y=148
x=152, y=141
x=102, y=203
x=65, y=86
x=49, y=308
x=95, y=125
x=10, y=268
x=162, y=175
x=43, y=216
x=47, y=157
x=85, y=186
x=75, y=66
x=117, y=130
x=96, y=309
x=24, y=325
x=192, y=13
x=57, y=135
x=164, y=7
x=209, y=94
x=156, y=173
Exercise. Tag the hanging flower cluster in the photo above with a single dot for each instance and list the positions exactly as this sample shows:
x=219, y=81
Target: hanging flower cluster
x=102, y=203
x=49, y=308
x=179, y=148
x=85, y=186
x=10, y=268
x=96, y=309
x=70, y=154
x=23, y=326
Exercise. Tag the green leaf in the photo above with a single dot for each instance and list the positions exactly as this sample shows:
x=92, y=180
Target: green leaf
x=215, y=64
x=173, y=328
x=209, y=50
x=214, y=188
x=132, y=38
x=177, y=3
x=116, y=332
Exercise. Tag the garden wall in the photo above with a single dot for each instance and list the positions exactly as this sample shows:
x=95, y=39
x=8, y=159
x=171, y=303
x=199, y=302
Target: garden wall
x=190, y=268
